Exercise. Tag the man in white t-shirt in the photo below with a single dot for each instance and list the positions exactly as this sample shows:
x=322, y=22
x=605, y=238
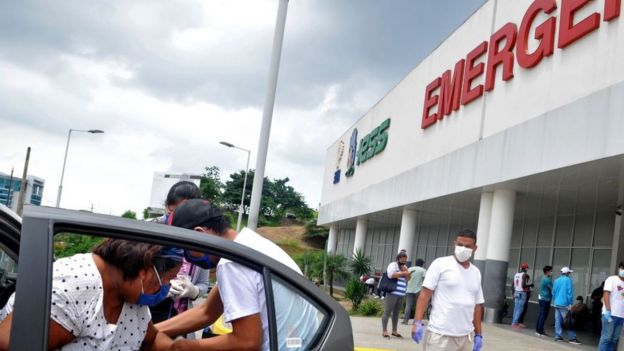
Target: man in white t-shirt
x=239, y=294
x=457, y=305
x=612, y=310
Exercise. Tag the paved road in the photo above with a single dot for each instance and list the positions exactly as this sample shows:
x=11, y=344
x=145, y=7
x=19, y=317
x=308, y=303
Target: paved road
x=367, y=334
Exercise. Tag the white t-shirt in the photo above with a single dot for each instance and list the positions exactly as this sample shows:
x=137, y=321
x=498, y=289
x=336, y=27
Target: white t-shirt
x=242, y=293
x=518, y=277
x=77, y=305
x=456, y=291
x=615, y=286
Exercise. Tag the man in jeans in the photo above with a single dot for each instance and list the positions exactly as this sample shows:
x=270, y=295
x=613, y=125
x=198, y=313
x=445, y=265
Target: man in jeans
x=563, y=293
x=521, y=291
x=545, y=296
x=413, y=288
x=612, y=311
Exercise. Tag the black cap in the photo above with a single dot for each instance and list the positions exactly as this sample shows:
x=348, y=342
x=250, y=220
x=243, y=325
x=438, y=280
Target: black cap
x=194, y=213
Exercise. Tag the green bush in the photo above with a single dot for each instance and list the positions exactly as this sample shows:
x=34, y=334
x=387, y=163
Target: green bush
x=355, y=292
x=369, y=308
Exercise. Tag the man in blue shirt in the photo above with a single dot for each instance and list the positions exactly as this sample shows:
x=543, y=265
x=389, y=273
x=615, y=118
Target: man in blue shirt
x=545, y=295
x=563, y=293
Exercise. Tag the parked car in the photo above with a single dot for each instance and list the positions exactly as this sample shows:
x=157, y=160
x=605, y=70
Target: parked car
x=28, y=245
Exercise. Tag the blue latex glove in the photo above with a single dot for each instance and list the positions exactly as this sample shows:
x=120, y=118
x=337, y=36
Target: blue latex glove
x=417, y=331
x=607, y=315
x=478, y=344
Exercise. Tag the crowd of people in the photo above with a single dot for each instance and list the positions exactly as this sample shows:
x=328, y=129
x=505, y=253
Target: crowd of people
x=130, y=295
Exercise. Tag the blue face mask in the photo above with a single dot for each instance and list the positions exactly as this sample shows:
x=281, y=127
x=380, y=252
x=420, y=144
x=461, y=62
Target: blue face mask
x=202, y=262
x=154, y=299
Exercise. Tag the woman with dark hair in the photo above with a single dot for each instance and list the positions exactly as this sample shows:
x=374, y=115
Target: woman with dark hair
x=192, y=281
x=394, y=299
x=100, y=300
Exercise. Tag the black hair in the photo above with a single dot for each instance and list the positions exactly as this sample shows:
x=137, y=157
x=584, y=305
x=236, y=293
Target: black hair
x=420, y=262
x=218, y=224
x=621, y=265
x=401, y=254
x=131, y=257
x=547, y=269
x=467, y=233
x=579, y=298
x=181, y=191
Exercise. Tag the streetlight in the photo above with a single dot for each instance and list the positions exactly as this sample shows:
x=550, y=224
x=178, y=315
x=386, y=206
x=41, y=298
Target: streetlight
x=92, y=131
x=242, y=204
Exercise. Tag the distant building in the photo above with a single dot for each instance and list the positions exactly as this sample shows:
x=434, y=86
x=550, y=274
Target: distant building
x=161, y=184
x=10, y=187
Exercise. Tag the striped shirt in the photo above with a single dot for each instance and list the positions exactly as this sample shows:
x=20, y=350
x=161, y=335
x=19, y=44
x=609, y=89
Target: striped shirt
x=401, y=282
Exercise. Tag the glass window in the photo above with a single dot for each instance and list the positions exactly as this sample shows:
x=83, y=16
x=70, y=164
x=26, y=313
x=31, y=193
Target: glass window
x=542, y=258
x=529, y=234
x=564, y=231
x=567, y=200
x=443, y=235
x=600, y=267
x=561, y=258
x=605, y=221
x=298, y=320
x=580, y=277
x=587, y=198
x=516, y=234
x=546, y=226
x=583, y=228
x=548, y=203
x=607, y=194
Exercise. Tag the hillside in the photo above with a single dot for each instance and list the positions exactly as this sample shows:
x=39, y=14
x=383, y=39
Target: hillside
x=289, y=238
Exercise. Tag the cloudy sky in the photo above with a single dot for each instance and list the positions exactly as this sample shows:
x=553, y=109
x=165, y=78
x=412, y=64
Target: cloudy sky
x=168, y=80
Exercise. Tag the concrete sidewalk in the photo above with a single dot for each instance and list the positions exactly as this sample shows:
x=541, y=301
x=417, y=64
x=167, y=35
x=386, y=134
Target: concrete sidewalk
x=367, y=334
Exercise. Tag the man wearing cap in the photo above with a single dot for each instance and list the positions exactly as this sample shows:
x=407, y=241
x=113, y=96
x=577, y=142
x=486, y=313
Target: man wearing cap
x=563, y=296
x=239, y=294
x=521, y=294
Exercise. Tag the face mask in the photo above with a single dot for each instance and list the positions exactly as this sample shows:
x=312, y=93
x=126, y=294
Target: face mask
x=622, y=273
x=462, y=254
x=153, y=299
x=202, y=262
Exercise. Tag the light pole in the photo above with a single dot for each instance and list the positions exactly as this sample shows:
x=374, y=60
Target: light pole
x=242, y=204
x=267, y=116
x=60, y=190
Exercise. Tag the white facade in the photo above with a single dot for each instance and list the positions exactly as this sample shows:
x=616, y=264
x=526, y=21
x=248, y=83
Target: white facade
x=537, y=161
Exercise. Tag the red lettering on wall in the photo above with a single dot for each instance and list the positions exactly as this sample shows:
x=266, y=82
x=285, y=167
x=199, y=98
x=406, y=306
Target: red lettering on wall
x=430, y=101
x=472, y=72
x=545, y=33
x=612, y=9
x=450, y=91
x=570, y=32
x=503, y=56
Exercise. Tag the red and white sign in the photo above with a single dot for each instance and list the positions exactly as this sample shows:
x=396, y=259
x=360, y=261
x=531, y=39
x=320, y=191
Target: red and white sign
x=509, y=45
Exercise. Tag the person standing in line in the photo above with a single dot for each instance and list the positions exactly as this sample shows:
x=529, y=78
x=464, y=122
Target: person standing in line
x=545, y=296
x=457, y=306
x=394, y=299
x=596, y=312
x=612, y=311
x=414, y=285
x=521, y=293
x=563, y=293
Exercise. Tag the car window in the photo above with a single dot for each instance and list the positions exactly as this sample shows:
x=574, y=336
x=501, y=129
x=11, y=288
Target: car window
x=298, y=320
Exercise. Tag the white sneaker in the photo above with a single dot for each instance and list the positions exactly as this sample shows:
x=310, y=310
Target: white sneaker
x=383, y=297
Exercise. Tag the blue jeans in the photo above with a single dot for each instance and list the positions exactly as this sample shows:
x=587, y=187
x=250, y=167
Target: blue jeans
x=560, y=314
x=520, y=298
x=543, y=314
x=610, y=333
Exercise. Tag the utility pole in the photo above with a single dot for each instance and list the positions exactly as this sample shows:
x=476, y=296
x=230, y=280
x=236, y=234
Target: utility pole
x=8, y=201
x=267, y=116
x=24, y=185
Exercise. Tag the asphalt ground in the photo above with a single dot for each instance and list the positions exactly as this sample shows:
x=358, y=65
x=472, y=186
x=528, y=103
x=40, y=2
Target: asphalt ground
x=368, y=336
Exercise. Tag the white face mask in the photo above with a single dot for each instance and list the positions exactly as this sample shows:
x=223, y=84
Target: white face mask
x=463, y=254
x=622, y=273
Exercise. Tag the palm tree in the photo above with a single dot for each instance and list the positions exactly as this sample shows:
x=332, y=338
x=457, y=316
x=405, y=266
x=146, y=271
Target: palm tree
x=335, y=266
x=360, y=264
